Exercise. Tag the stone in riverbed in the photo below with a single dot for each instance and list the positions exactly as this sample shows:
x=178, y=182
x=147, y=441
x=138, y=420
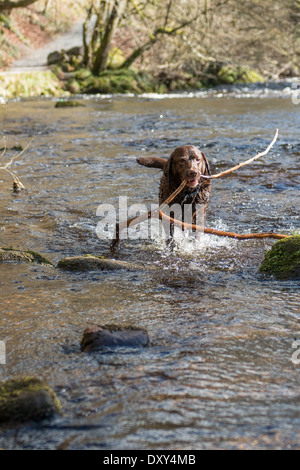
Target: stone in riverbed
x=91, y=263
x=68, y=104
x=96, y=338
x=9, y=254
x=283, y=259
x=25, y=399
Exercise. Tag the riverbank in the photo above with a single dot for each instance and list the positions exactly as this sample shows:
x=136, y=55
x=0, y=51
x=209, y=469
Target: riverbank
x=26, y=31
x=57, y=82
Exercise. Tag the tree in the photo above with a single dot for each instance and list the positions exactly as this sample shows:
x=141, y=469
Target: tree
x=7, y=5
x=150, y=20
x=107, y=16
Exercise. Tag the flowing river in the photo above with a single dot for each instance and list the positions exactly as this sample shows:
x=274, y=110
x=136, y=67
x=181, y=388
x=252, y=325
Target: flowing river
x=218, y=373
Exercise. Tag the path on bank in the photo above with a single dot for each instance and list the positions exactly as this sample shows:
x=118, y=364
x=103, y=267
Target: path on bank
x=37, y=59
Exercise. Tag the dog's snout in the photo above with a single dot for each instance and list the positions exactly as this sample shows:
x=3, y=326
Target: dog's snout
x=192, y=173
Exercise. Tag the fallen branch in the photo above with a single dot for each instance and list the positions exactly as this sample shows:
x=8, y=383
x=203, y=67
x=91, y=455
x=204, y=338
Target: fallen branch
x=17, y=184
x=221, y=233
x=230, y=170
x=148, y=215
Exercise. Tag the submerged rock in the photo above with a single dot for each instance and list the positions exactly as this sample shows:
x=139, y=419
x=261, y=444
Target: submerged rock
x=96, y=338
x=91, y=263
x=68, y=104
x=10, y=254
x=283, y=259
x=28, y=398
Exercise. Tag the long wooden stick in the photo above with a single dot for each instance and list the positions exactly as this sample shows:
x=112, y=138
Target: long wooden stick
x=141, y=218
x=230, y=170
x=221, y=233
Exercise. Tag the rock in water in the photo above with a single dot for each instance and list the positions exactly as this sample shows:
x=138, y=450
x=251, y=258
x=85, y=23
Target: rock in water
x=27, y=398
x=10, y=254
x=91, y=263
x=283, y=259
x=98, y=337
x=68, y=104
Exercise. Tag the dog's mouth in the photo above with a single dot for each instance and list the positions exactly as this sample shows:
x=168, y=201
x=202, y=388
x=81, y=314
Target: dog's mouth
x=192, y=182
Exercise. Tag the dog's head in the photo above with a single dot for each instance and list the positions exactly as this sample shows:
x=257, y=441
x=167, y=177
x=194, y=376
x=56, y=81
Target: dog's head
x=187, y=163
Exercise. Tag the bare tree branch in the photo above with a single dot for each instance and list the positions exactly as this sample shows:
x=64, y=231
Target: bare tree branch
x=230, y=170
x=153, y=39
x=17, y=185
x=9, y=5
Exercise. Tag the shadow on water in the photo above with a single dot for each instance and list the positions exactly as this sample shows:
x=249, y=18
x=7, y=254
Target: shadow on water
x=218, y=371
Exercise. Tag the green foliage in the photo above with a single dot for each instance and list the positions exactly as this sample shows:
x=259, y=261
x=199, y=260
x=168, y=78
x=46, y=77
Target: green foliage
x=30, y=84
x=115, y=58
x=6, y=21
x=116, y=81
x=230, y=74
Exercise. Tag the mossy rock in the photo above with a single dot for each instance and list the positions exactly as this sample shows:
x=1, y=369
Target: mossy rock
x=25, y=399
x=117, y=81
x=94, y=263
x=10, y=254
x=93, y=85
x=114, y=81
x=115, y=58
x=55, y=57
x=68, y=103
x=73, y=87
x=82, y=74
x=146, y=82
x=96, y=338
x=229, y=74
x=283, y=259
x=121, y=81
x=249, y=75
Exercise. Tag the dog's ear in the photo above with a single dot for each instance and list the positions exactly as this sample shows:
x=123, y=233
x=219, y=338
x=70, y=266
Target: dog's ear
x=205, y=165
x=152, y=162
x=168, y=171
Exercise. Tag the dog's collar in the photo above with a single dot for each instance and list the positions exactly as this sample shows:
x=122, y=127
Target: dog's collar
x=189, y=197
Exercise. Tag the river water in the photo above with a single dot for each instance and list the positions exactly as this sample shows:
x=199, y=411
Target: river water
x=218, y=373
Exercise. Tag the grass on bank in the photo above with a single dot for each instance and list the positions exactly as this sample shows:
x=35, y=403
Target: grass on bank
x=57, y=83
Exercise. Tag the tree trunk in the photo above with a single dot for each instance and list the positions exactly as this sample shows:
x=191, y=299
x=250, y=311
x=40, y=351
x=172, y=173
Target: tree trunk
x=9, y=5
x=86, y=45
x=102, y=53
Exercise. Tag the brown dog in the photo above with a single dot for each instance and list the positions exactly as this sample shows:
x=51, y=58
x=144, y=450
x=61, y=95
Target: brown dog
x=185, y=163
